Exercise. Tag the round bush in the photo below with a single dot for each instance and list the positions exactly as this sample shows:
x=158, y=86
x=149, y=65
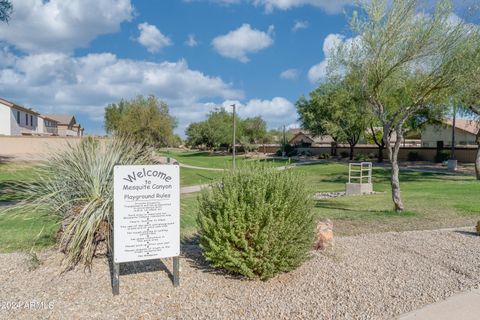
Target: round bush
x=257, y=222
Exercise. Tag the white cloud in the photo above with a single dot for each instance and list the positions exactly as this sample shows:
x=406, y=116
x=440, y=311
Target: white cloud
x=61, y=26
x=319, y=71
x=330, y=6
x=238, y=43
x=191, y=41
x=290, y=74
x=151, y=38
x=58, y=83
x=299, y=25
x=276, y=112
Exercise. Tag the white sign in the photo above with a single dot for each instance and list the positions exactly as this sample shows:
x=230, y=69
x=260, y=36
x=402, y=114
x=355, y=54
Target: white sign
x=146, y=212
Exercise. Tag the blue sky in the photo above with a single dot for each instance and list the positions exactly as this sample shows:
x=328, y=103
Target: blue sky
x=77, y=56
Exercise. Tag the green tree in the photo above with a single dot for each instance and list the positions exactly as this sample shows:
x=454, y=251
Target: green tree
x=6, y=10
x=334, y=109
x=405, y=61
x=467, y=92
x=215, y=131
x=254, y=129
x=146, y=119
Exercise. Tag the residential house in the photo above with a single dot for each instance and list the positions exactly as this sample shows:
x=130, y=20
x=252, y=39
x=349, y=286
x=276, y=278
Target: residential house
x=67, y=125
x=441, y=135
x=17, y=120
x=304, y=139
x=47, y=126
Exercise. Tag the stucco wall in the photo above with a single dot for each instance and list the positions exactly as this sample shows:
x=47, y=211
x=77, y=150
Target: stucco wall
x=4, y=120
x=32, y=148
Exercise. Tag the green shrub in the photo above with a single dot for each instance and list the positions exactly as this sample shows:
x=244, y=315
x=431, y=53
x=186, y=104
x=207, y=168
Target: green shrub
x=414, y=156
x=361, y=157
x=290, y=151
x=344, y=154
x=324, y=156
x=257, y=222
x=77, y=185
x=442, y=155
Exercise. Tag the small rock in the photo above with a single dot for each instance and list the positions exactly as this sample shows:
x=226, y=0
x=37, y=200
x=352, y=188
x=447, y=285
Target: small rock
x=324, y=237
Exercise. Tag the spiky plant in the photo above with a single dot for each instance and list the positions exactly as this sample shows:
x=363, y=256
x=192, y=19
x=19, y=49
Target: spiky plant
x=77, y=184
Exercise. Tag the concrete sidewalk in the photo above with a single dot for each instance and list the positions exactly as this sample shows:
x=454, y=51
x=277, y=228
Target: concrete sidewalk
x=462, y=306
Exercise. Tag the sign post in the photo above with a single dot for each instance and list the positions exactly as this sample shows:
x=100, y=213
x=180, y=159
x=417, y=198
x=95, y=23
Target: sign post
x=146, y=216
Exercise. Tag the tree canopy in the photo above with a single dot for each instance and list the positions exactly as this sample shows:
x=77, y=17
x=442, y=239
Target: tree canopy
x=6, y=10
x=217, y=130
x=146, y=119
x=334, y=109
x=405, y=60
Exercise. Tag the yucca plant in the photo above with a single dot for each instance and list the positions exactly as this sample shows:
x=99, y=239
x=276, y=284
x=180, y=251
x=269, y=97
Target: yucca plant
x=77, y=184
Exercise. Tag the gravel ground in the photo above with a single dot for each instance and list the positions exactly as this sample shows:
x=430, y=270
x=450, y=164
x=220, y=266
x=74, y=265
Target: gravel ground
x=374, y=276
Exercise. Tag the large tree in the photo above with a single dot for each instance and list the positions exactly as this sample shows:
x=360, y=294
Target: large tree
x=254, y=130
x=144, y=118
x=6, y=10
x=215, y=131
x=467, y=92
x=335, y=109
x=405, y=61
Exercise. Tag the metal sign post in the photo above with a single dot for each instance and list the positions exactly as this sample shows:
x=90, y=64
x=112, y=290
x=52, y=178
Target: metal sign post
x=146, y=216
x=176, y=260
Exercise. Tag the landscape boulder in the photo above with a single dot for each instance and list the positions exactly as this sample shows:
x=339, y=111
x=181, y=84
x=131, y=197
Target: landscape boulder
x=324, y=235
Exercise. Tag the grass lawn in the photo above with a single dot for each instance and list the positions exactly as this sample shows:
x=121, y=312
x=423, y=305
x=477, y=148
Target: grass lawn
x=206, y=160
x=25, y=231
x=190, y=177
x=432, y=201
x=12, y=173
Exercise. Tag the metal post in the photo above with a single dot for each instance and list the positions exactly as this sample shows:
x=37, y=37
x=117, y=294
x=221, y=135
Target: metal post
x=176, y=271
x=116, y=279
x=176, y=260
x=452, y=155
x=233, y=154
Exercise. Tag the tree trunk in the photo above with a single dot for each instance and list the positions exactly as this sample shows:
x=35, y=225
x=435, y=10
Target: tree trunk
x=381, y=145
x=393, y=156
x=380, y=153
x=477, y=159
x=352, y=147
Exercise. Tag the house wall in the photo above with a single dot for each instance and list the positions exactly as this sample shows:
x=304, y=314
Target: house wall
x=41, y=125
x=32, y=148
x=5, y=122
x=432, y=134
x=18, y=129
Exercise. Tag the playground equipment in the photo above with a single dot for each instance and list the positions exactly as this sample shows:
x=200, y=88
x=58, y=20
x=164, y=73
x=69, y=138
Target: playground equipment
x=359, y=179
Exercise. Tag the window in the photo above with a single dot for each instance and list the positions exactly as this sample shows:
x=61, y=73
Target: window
x=26, y=119
x=18, y=117
x=31, y=120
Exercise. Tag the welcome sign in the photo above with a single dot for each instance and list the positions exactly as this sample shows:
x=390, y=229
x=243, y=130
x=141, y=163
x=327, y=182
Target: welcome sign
x=146, y=212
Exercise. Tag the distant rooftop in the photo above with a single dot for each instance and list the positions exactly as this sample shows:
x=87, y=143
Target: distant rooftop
x=471, y=126
x=62, y=118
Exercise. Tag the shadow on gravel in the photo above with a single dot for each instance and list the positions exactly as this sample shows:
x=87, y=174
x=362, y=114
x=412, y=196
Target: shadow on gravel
x=136, y=267
x=467, y=233
x=193, y=254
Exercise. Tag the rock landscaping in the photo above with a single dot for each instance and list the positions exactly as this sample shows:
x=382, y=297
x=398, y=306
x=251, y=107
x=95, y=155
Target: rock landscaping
x=374, y=276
